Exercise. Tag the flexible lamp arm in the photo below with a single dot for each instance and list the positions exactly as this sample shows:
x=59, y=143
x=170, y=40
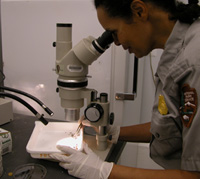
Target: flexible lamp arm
x=30, y=96
x=39, y=116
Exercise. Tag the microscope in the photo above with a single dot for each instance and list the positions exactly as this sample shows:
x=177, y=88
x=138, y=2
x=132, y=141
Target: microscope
x=72, y=69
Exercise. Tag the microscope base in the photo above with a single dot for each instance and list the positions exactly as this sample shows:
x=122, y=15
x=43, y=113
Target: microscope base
x=92, y=143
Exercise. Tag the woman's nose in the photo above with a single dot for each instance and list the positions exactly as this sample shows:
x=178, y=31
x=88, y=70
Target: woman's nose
x=117, y=43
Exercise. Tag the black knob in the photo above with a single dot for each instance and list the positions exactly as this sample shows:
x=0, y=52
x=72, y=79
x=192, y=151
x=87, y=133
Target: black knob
x=54, y=44
x=111, y=118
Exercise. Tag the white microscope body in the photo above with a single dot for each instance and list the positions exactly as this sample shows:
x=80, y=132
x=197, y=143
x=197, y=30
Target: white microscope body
x=72, y=68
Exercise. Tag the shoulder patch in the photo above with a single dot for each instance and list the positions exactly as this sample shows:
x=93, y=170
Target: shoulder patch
x=188, y=104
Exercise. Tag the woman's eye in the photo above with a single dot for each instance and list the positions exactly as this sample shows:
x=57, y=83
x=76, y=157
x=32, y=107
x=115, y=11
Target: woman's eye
x=114, y=34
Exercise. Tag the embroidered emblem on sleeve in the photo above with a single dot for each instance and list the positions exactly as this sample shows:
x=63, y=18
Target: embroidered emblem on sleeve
x=188, y=104
x=162, y=107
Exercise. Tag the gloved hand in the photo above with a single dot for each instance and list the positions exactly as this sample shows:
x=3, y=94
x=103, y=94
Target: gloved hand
x=85, y=164
x=111, y=130
x=114, y=132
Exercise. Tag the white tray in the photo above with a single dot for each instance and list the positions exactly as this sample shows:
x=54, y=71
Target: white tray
x=44, y=139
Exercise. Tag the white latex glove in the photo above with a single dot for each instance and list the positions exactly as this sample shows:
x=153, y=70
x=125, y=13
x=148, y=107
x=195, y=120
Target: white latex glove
x=114, y=132
x=111, y=130
x=85, y=164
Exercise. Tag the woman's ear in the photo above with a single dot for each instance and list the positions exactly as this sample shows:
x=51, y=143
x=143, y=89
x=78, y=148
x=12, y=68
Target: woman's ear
x=139, y=9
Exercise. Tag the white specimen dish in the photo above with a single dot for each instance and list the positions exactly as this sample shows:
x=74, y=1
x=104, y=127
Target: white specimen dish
x=44, y=139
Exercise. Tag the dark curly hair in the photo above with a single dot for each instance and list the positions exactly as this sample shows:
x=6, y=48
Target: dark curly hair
x=186, y=13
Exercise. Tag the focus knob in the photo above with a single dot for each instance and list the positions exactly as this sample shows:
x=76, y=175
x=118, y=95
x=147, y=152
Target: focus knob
x=94, y=112
x=111, y=118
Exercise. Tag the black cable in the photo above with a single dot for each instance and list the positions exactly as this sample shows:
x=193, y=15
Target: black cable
x=3, y=76
x=30, y=96
x=40, y=117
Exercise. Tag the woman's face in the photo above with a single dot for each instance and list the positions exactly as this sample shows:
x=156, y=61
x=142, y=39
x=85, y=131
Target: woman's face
x=136, y=36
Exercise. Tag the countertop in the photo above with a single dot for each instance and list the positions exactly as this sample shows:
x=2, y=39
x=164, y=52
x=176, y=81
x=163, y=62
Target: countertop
x=21, y=129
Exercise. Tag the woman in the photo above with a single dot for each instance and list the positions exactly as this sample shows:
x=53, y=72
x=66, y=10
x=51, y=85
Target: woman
x=174, y=131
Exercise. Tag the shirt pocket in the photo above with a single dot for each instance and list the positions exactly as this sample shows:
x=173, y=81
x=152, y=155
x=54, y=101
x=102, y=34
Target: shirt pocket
x=167, y=138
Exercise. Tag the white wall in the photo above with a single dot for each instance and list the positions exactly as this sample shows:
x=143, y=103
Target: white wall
x=139, y=111
x=29, y=29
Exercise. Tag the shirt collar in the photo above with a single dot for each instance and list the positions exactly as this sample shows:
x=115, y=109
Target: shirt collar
x=172, y=49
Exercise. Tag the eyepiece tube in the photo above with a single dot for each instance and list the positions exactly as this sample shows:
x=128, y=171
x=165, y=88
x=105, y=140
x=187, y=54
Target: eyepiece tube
x=72, y=115
x=103, y=42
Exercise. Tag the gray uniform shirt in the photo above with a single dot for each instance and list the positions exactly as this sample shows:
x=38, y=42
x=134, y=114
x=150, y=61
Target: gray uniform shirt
x=175, y=144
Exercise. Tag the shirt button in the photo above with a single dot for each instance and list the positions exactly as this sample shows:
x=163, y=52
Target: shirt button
x=157, y=135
